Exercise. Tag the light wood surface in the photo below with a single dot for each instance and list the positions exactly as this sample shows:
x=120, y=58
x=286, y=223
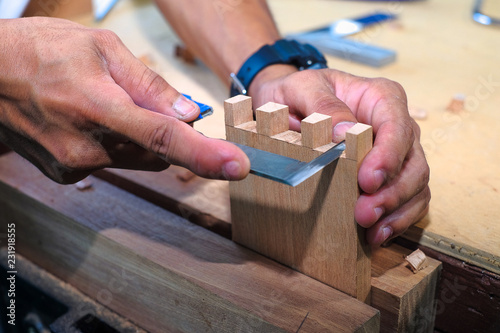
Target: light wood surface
x=158, y=270
x=441, y=52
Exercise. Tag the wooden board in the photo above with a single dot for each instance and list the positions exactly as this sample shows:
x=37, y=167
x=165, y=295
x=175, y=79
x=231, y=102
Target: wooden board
x=309, y=227
x=405, y=299
x=158, y=270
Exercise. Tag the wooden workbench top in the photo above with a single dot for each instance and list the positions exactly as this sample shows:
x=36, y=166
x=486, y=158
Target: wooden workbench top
x=441, y=52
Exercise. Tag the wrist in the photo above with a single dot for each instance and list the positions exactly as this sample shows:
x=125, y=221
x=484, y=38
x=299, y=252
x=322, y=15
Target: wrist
x=268, y=74
x=282, y=52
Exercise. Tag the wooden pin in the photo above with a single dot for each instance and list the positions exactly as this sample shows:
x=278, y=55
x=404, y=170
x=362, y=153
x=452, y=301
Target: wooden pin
x=272, y=119
x=316, y=130
x=238, y=110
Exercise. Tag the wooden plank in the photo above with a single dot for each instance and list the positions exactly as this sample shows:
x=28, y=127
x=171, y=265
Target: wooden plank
x=406, y=300
x=310, y=227
x=81, y=311
x=157, y=269
x=386, y=262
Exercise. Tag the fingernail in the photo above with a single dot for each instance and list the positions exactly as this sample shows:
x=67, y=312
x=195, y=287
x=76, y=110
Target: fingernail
x=231, y=170
x=340, y=129
x=184, y=107
x=378, y=212
x=386, y=233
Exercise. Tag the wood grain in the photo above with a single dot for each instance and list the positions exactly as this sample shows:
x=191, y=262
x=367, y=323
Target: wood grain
x=157, y=269
x=271, y=118
x=310, y=227
x=316, y=130
x=405, y=299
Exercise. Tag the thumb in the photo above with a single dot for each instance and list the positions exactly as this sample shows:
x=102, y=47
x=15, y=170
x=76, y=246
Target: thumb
x=178, y=143
x=146, y=88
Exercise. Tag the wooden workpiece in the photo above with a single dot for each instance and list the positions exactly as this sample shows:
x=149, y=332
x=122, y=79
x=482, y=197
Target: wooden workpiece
x=310, y=227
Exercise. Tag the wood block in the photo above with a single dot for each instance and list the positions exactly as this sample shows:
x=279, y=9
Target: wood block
x=157, y=269
x=359, y=139
x=316, y=130
x=238, y=110
x=272, y=119
x=310, y=227
x=406, y=300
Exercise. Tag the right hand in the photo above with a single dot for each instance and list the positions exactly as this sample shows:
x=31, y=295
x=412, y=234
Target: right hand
x=74, y=100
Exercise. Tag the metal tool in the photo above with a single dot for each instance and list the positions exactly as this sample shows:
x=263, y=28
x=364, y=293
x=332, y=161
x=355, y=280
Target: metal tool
x=287, y=170
x=482, y=18
x=205, y=110
x=330, y=40
x=276, y=167
x=101, y=8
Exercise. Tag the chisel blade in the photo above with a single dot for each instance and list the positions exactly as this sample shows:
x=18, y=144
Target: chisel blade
x=287, y=170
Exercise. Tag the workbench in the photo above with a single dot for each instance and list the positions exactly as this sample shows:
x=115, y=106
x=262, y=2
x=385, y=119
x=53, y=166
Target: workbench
x=441, y=53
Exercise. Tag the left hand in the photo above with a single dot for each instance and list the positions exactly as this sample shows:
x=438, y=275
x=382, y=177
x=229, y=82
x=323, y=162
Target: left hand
x=394, y=175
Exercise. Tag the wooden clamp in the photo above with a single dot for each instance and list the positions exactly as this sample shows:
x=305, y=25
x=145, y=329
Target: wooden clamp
x=311, y=227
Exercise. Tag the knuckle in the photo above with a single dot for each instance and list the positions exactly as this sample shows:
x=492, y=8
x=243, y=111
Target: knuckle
x=105, y=37
x=160, y=141
x=151, y=84
x=72, y=158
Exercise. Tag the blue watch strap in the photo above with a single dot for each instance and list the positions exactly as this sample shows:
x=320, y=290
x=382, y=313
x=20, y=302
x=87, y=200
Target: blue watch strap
x=291, y=52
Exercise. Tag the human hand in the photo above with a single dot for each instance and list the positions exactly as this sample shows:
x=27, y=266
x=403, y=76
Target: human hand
x=394, y=175
x=74, y=100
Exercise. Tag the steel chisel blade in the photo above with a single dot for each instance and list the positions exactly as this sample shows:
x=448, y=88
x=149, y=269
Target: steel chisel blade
x=287, y=170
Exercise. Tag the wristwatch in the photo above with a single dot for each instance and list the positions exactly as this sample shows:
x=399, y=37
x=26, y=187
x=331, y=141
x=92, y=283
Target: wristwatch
x=290, y=52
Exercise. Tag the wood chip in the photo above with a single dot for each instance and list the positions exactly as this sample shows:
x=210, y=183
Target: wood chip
x=457, y=104
x=417, y=260
x=417, y=113
x=147, y=60
x=84, y=184
x=185, y=54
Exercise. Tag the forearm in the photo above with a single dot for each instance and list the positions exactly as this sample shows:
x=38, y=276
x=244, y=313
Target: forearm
x=221, y=33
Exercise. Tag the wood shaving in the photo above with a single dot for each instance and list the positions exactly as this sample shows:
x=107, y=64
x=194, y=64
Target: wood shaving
x=185, y=54
x=417, y=113
x=417, y=260
x=84, y=184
